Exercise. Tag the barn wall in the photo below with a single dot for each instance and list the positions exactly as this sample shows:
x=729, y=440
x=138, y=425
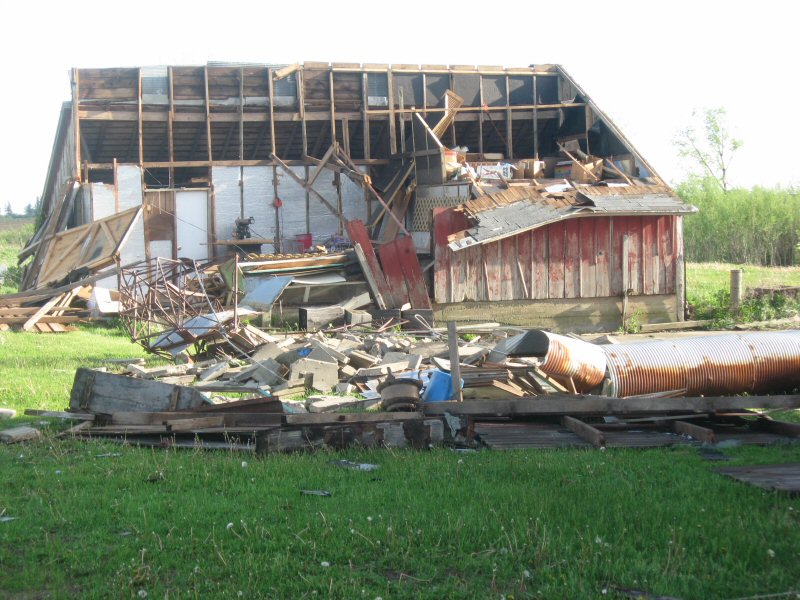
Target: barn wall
x=574, y=258
x=565, y=315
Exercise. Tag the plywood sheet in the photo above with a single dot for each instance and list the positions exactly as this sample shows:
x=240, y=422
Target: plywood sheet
x=91, y=246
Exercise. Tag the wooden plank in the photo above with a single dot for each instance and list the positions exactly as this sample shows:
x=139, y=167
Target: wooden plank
x=59, y=414
x=347, y=418
x=492, y=270
x=107, y=393
x=667, y=253
x=540, y=269
x=412, y=272
x=701, y=434
x=674, y=326
x=594, y=436
x=650, y=257
x=618, y=232
x=370, y=276
x=28, y=325
x=588, y=258
x=635, y=254
x=567, y=404
x=357, y=233
x=455, y=361
x=19, y=434
x=556, y=240
x=572, y=259
x=395, y=279
x=508, y=268
x=524, y=266
x=300, y=181
x=602, y=234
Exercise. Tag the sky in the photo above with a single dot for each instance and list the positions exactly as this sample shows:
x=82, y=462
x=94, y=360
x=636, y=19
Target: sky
x=648, y=65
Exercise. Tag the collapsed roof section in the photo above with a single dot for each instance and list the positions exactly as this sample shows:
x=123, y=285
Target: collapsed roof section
x=519, y=209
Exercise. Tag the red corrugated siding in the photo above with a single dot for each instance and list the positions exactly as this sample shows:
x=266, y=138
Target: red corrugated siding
x=577, y=258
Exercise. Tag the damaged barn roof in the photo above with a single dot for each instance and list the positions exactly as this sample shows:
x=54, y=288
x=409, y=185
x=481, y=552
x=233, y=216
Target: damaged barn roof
x=518, y=209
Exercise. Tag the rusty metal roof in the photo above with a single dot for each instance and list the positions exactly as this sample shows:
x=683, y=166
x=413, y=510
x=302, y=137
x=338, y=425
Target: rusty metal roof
x=515, y=210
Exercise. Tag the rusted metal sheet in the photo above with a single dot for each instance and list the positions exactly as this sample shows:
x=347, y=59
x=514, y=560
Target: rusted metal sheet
x=560, y=356
x=718, y=364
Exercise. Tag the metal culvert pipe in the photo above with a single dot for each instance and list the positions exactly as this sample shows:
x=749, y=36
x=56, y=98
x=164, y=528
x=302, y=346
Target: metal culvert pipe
x=705, y=365
x=561, y=357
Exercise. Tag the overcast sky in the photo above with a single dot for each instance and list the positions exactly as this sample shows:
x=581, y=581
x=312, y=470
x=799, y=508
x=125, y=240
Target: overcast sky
x=648, y=65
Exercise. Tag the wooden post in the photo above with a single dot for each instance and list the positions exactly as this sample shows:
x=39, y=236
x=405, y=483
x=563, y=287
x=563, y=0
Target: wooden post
x=680, y=271
x=208, y=117
x=116, y=188
x=76, y=121
x=139, y=117
x=333, y=107
x=271, y=92
x=625, y=278
x=736, y=290
x=509, y=123
x=455, y=360
x=301, y=102
x=392, y=123
x=365, y=115
x=480, y=116
x=241, y=114
x=535, y=121
x=170, y=121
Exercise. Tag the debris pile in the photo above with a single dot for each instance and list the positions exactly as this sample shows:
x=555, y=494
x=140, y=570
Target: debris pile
x=501, y=388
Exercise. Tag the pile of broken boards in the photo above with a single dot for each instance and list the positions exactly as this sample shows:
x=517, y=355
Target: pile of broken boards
x=55, y=310
x=386, y=389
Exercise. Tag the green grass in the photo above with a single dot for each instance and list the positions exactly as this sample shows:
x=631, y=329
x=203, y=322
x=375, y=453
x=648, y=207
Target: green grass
x=432, y=524
x=708, y=292
x=14, y=233
x=36, y=370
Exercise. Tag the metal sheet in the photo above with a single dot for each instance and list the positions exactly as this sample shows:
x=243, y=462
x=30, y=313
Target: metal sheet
x=293, y=209
x=191, y=223
x=717, y=364
x=129, y=181
x=261, y=292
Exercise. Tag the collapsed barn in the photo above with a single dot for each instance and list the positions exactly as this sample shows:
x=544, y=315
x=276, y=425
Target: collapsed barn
x=527, y=202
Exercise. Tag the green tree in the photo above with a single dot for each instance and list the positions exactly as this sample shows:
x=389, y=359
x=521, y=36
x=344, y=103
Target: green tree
x=30, y=210
x=712, y=148
x=9, y=210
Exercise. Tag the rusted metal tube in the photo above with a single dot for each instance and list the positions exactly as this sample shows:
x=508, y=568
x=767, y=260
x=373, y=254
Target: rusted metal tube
x=562, y=357
x=707, y=365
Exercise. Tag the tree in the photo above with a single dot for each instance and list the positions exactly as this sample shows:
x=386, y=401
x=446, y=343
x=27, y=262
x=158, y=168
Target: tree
x=30, y=210
x=713, y=148
x=9, y=210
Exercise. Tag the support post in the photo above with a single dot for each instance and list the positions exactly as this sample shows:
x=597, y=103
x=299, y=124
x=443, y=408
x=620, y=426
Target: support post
x=455, y=360
x=736, y=290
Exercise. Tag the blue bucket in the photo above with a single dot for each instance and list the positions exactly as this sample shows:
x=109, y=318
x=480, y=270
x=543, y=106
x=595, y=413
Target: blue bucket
x=438, y=387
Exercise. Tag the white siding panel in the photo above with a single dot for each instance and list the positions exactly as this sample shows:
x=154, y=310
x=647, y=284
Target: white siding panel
x=102, y=201
x=258, y=197
x=323, y=222
x=227, y=200
x=191, y=220
x=129, y=179
x=293, y=211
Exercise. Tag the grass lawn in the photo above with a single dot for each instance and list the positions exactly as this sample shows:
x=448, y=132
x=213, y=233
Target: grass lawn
x=97, y=519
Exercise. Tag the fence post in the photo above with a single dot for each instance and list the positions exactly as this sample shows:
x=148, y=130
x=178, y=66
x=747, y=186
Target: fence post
x=736, y=290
